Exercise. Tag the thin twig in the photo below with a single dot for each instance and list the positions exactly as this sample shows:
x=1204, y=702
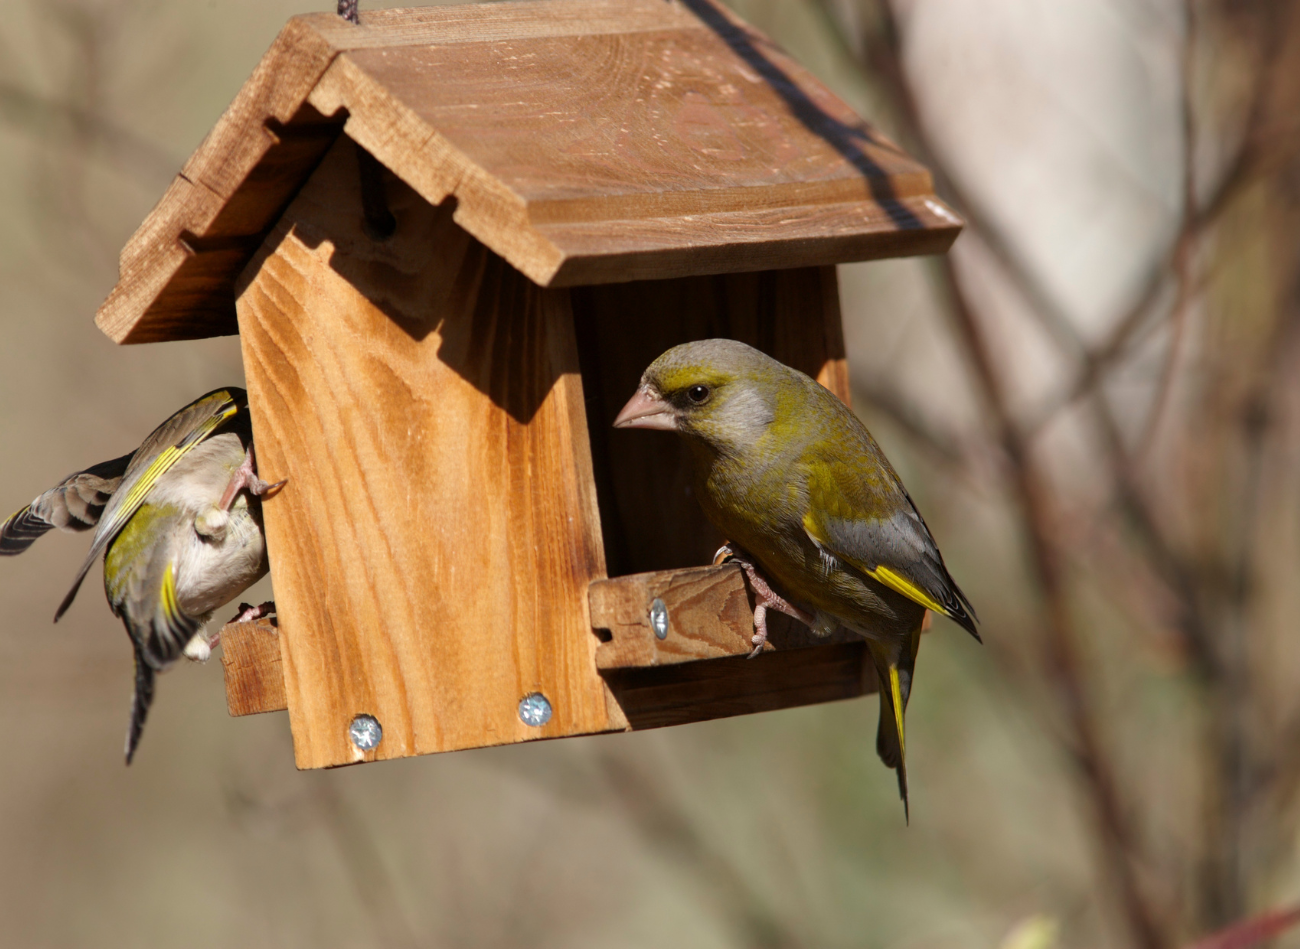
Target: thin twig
x=1252, y=932
x=1184, y=279
x=1118, y=842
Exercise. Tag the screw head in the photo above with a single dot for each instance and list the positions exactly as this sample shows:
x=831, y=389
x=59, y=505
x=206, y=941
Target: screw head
x=365, y=732
x=535, y=710
x=659, y=618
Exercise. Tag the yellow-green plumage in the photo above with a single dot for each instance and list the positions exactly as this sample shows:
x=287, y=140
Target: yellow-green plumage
x=179, y=526
x=133, y=542
x=792, y=477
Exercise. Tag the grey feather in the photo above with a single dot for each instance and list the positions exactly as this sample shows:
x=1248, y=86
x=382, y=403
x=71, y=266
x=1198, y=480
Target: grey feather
x=74, y=504
x=903, y=544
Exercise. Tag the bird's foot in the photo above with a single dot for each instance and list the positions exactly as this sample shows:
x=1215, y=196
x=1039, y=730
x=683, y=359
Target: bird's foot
x=765, y=598
x=245, y=477
x=200, y=646
x=247, y=613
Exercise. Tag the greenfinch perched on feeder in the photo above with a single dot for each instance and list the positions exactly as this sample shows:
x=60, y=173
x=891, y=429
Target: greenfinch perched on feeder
x=179, y=523
x=807, y=499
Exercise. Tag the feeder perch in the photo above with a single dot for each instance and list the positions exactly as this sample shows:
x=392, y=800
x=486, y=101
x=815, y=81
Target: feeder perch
x=450, y=240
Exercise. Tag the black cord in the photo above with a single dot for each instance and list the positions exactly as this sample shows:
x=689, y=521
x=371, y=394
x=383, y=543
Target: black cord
x=348, y=10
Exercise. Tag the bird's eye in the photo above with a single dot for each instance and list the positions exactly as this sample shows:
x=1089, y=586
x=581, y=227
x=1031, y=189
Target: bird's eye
x=698, y=394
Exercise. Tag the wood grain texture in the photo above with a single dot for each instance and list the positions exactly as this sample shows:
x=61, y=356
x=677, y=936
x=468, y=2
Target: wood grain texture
x=432, y=550
x=718, y=688
x=144, y=306
x=710, y=616
x=649, y=519
x=585, y=141
x=497, y=22
x=739, y=241
x=614, y=156
x=250, y=657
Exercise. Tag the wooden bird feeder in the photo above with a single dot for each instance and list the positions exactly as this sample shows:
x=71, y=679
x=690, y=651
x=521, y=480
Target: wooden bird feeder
x=450, y=240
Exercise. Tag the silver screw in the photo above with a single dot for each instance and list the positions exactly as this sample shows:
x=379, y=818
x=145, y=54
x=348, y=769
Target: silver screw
x=365, y=732
x=534, y=710
x=659, y=618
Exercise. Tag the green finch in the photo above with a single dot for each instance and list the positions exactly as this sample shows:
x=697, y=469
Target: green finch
x=179, y=522
x=808, y=501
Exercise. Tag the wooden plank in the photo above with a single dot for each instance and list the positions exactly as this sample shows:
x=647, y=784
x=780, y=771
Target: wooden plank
x=707, y=609
x=250, y=656
x=223, y=161
x=585, y=141
x=253, y=207
x=498, y=22
x=649, y=124
x=602, y=158
x=719, y=688
x=740, y=241
x=432, y=550
x=792, y=315
x=226, y=168
x=710, y=615
x=710, y=618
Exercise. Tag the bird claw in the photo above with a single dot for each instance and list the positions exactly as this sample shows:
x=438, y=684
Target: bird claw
x=247, y=613
x=765, y=597
x=245, y=476
x=759, y=638
x=266, y=490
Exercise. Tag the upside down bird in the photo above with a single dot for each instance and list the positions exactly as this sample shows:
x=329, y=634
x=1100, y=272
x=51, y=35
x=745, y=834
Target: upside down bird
x=807, y=499
x=179, y=522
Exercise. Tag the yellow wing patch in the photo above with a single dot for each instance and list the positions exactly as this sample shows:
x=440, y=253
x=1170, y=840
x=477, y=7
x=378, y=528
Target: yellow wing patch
x=171, y=606
x=160, y=465
x=890, y=578
x=906, y=587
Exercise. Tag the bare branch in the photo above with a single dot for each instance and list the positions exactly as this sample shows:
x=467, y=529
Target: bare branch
x=1251, y=932
x=944, y=446
x=1118, y=842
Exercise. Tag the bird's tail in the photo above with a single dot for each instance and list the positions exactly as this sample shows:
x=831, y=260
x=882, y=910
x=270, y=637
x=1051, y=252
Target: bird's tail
x=895, y=675
x=140, y=702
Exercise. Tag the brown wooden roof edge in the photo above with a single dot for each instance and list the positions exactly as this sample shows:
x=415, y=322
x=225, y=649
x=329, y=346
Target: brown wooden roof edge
x=178, y=271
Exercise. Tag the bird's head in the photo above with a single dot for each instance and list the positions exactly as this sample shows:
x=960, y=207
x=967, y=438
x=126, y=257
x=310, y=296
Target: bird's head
x=718, y=390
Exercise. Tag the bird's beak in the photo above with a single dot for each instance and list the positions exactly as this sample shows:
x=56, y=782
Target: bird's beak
x=647, y=410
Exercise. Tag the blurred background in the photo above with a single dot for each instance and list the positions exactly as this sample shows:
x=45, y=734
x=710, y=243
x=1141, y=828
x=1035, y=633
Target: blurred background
x=1093, y=398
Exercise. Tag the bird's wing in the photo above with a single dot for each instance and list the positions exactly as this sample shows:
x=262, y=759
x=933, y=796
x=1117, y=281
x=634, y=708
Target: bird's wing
x=74, y=504
x=141, y=582
x=873, y=526
x=166, y=445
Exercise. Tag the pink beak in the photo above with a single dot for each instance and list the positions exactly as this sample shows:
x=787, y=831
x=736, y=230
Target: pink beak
x=646, y=410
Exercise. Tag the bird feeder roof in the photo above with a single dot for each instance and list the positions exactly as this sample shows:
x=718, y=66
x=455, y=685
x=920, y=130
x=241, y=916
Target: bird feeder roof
x=585, y=141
